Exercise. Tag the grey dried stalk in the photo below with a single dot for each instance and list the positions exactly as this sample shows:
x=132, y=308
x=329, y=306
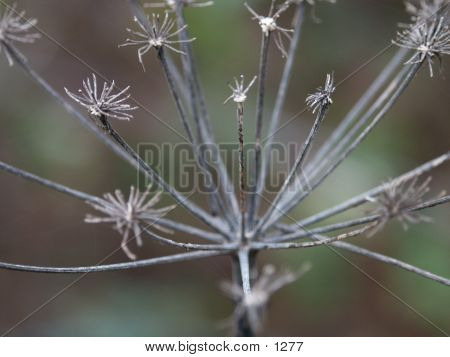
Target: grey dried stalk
x=137, y=216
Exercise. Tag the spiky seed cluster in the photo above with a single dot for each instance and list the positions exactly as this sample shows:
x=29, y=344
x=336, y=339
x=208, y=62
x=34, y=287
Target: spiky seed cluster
x=322, y=97
x=254, y=305
x=107, y=104
x=133, y=215
x=397, y=200
x=155, y=34
x=239, y=90
x=430, y=40
x=424, y=10
x=171, y=4
x=268, y=24
x=14, y=27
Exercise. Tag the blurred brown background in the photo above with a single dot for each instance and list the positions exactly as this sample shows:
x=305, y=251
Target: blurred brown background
x=39, y=226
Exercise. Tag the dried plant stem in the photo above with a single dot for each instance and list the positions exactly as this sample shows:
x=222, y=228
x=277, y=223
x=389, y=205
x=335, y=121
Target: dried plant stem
x=383, y=111
x=389, y=260
x=294, y=170
x=217, y=202
x=85, y=197
x=281, y=96
x=362, y=198
x=212, y=222
x=200, y=115
x=190, y=246
x=49, y=184
x=303, y=232
x=337, y=135
x=327, y=241
x=113, y=267
x=259, y=125
x=242, y=171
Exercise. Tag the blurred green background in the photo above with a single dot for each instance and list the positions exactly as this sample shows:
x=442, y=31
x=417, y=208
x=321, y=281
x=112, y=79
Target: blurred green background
x=39, y=226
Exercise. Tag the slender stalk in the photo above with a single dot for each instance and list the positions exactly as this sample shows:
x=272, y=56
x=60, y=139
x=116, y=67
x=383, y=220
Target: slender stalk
x=281, y=97
x=349, y=119
x=362, y=198
x=191, y=246
x=303, y=232
x=85, y=197
x=242, y=171
x=184, y=228
x=113, y=267
x=259, y=124
x=200, y=114
x=392, y=261
x=388, y=105
x=217, y=202
x=294, y=170
x=49, y=184
x=319, y=242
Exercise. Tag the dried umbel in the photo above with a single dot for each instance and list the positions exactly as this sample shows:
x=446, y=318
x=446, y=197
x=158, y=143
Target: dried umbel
x=240, y=229
x=155, y=34
x=136, y=214
x=322, y=97
x=429, y=40
x=14, y=27
x=269, y=25
x=397, y=201
x=104, y=103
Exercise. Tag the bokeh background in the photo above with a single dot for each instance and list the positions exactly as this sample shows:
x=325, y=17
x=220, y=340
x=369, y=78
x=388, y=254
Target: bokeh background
x=39, y=226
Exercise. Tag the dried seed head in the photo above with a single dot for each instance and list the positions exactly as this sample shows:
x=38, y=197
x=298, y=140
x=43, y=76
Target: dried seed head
x=107, y=104
x=155, y=34
x=268, y=24
x=14, y=27
x=397, y=201
x=254, y=305
x=430, y=40
x=425, y=10
x=239, y=91
x=171, y=4
x=133, y=215
x=322, y=97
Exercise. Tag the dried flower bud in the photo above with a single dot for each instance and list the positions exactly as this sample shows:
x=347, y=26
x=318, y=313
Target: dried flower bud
x=134, y=215
x=322, y=97
x=155, y=35
x=397, y=201
x=430, y=40
x=107, y=104
x=239, y=91
x=268, y=24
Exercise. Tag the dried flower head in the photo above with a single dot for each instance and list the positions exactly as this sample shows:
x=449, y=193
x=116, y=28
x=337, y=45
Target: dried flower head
x=397, y=201
x=424, y=10
x=322, y=97
x=14, y=27
x=239, y=91
x=254, y=305
x=430, y=40
x=268, y=24
x=155, y=34
x=133, y=215
x=171, y=4
x=107, y=104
